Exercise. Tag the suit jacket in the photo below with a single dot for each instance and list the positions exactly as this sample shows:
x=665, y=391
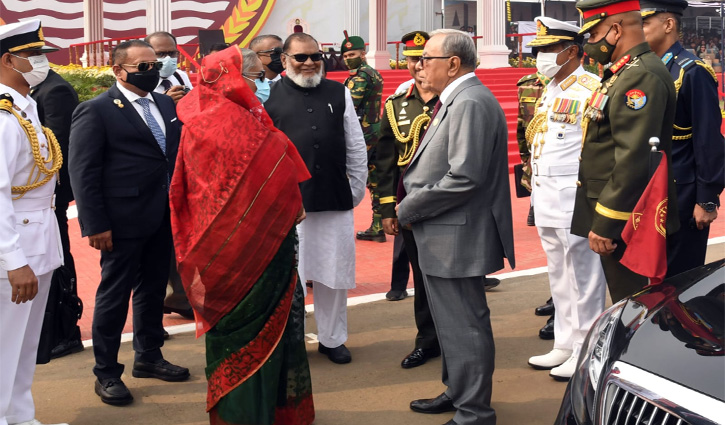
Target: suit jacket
x=458, y=198
x=117, y=169
x=57, y=100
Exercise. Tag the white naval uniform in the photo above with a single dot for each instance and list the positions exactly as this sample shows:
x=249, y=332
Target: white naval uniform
x=327, y=242
x=578, y=287
x=28, y=235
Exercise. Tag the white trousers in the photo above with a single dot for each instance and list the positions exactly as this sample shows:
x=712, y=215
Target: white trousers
x=20, y=326
x=330, y=314
x=578, y=286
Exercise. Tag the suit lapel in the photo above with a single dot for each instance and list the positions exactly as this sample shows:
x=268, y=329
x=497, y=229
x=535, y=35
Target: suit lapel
x=129, y=111
x=442, y=114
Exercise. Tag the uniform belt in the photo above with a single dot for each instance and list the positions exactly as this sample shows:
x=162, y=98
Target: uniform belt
x=26, y=204
x=554, y=170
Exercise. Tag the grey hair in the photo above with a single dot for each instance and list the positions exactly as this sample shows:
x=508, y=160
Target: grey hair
x=249, y=59
x=458, y=43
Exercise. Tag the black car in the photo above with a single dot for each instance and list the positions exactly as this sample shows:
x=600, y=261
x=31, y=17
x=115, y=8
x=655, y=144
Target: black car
x=656, y=358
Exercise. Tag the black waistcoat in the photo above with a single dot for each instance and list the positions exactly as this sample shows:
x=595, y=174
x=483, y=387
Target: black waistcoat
x=313, y=118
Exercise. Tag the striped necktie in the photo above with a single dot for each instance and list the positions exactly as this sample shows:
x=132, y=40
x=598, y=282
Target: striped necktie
x=153, y=124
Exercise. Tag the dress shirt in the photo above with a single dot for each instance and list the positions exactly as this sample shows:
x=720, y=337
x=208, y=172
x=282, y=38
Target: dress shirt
x=131, y=96
x=452, y=86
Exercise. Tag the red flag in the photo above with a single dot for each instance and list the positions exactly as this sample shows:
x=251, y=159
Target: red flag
x=645, y=232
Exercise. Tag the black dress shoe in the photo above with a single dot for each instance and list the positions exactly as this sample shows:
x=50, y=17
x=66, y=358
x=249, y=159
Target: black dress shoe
x=65, y=348
x=371, y=235
x=440, y=404
x=530, y=219
x=396, y=295
x=547, y=332
x=161, y=369
x=546, y=309
x=451, y=422
x=418, y=357
x=490, y=283
x=339, y=355
x=113, y=391
x=186, y=313
x=166, y=335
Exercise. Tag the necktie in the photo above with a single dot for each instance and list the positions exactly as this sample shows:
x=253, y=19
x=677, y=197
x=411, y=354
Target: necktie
x=152, y=123
x=401, y=188
x=166, y=84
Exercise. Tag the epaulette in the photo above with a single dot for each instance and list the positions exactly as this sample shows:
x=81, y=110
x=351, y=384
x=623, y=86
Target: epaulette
x=396, y=95
x=589, y=82
x=527, y=78
x=567, y=82
x=6, y=102
x=708, y=68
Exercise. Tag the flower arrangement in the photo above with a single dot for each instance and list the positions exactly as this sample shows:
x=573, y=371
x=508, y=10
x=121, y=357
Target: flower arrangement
x=88, y=82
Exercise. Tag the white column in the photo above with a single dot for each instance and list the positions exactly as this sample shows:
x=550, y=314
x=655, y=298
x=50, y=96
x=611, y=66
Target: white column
x=378, y=56
x=428, y=15
x=92, y=20
x=158, y=16
x=491, y=23
x=352, y=17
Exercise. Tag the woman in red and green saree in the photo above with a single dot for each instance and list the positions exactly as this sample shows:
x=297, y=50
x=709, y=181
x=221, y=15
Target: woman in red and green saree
x=235, y=200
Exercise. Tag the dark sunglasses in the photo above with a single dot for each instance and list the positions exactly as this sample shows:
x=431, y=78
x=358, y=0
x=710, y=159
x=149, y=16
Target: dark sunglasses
x=145, y=66
x=170, y=53
x=255, y=76
x=301, y=57
x=269, y=52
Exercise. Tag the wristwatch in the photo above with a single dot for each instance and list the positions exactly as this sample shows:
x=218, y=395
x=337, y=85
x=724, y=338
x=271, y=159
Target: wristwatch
x=707, y=206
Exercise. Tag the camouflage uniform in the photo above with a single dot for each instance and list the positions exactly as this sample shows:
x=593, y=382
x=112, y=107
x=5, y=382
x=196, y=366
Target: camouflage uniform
x=529, y=92
x=366, y=87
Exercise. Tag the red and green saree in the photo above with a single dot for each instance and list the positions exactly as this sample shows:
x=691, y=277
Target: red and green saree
x=234, y=199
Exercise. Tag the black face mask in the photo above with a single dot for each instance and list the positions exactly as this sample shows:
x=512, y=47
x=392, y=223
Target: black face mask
x=601, y=51
x=276, y=64
x=144, y=80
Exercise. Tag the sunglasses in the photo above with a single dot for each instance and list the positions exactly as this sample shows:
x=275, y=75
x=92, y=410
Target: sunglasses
x=301, y=57
x=269, y=52
x=254, y=76
x=145, y=66
x=171, y=53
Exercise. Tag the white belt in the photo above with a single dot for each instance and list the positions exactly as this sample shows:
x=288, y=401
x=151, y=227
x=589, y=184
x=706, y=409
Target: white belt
x=555, y=170
x=26, y=204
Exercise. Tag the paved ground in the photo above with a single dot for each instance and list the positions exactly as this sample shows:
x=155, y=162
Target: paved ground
x=372, y=390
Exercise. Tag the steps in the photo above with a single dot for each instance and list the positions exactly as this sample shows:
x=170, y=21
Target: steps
x=501, y=82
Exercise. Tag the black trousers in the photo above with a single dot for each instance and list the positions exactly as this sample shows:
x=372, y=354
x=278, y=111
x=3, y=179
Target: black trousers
x=686, y=248
x=401, y=265
x=140, y=266
x=426, y=338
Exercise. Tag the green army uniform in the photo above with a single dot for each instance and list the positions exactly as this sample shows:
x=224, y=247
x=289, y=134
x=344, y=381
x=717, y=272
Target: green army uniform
x=530, y=88
x=366, y=87
x=636, y=101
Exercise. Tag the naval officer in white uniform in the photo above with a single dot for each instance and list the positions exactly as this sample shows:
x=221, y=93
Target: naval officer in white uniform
x=30, y=247
x=576, y=277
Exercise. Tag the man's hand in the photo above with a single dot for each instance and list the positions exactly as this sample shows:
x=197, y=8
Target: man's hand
x=390, y=226
x=101, y=241
x=600, y=245
x=702, y=217
x=24, y=284
x=301, y=215
x=176, y=93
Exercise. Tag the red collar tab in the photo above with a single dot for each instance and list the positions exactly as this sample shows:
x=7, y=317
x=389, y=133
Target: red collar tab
x=410, y=90
x=613, y=9
x=620, y=63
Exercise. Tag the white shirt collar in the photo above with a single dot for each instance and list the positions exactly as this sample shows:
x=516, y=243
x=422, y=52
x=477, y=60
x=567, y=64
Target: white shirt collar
x=454, y=85
x=19, y=100
x=131, y=96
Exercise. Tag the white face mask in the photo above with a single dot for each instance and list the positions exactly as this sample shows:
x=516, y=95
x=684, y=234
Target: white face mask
x=41, y=67
x=169, y=67
x=546, y=63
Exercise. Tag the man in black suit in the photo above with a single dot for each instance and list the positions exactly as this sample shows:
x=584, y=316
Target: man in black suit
x=57, y=100
x=123, y=148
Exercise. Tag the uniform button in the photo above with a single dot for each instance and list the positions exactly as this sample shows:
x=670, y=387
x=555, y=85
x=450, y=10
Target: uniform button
x=163, y=186
x=538, y=184
x=309, y=109
x=316, y=146
x=563, y=126
x=317, y=167
x=314, y=127
x=580, y=158
x=578, y=183
x=402, y=134
x=26, y=221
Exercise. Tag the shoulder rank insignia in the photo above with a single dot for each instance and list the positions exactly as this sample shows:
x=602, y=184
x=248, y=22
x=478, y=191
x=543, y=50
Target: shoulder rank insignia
x=589, y=82
x=667, y=58
x=6, y=102
x=620, y=63
x=568, y=82
x=636, y=99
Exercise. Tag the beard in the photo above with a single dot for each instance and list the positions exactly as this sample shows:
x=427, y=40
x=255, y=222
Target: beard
x=305, y=82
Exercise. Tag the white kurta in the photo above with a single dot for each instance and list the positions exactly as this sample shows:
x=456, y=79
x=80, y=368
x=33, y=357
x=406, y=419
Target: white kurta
x=327, y=238
x=578, y=287
x=28, y=236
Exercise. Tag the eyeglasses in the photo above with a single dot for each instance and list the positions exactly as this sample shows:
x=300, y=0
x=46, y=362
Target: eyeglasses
x=170, y=53
x=423, y=59
x=145, y=66
x=269, y=52
x=254, y=76
x=301, y=57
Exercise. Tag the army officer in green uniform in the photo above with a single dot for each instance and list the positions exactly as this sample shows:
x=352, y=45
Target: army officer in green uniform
x=405, y=118
x=636, y=101
x=366, y=88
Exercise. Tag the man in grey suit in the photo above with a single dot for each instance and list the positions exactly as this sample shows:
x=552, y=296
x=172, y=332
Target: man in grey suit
x=458, y=205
